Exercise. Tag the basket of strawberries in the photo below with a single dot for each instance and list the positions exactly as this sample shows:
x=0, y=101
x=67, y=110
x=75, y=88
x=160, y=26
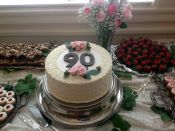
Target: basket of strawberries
x=144, y=55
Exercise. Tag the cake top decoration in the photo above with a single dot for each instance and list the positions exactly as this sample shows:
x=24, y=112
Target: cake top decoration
x=78, y=46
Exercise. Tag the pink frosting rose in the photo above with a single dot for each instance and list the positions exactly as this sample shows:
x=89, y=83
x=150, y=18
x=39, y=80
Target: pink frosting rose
x=87, y=10
x=77, y=70
x=112, y=8
x=117, y=23
x=78, y=45
x=97, y=2
x=73, y=71
x=81, y=70
x=100, y=16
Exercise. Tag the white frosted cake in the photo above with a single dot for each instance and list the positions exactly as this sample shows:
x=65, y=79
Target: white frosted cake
x=78, y=72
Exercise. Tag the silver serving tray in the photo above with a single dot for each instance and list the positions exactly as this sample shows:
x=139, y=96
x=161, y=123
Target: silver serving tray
x=81, y=115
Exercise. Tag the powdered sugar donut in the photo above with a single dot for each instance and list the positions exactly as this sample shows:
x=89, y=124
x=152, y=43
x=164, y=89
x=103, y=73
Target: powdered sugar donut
x=11, y=100
x=10, y=94
x=3, y=116
x=171, y=85
x=2, y=93
x=1, y=87
x=3, y=100
x=168, y=79
x=8, y=108
x=1, y=108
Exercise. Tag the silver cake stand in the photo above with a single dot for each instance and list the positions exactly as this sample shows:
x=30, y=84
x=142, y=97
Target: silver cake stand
x=71, y=115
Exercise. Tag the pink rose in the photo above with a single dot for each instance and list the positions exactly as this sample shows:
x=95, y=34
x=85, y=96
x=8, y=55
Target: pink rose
x=73, y=71
x=111, y=9
x=100, y=16
x=127, y=13
x=82, y=70
x=97, y=2
x=87, y=10
x=73, y=44
x=128, y=6
x=117, y=23
x=82, y=45
x=78, y=48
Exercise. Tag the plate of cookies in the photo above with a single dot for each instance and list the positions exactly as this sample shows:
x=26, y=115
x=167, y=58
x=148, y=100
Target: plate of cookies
x=8, y=103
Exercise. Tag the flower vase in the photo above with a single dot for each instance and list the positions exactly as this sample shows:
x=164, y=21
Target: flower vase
x=105, y=39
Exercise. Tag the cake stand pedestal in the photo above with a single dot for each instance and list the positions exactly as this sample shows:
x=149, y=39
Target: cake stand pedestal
x=71, y=115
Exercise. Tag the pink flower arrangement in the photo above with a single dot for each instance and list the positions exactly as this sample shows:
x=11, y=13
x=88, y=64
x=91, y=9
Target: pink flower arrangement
x=103, y=14
x=112, y=8
x=78, y=70
x=78, y=45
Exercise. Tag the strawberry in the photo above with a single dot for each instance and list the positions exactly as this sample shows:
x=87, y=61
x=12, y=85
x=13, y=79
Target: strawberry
x=162, y=68
x=136, y=53
x=128, y=63
x=164, y=61
x=143, y=63
x=173, y=62
x=139, y=67
x=145, y=51
x=162, y=54
x=156, y=62
x=154, y=67
x=158, y=57
x=136, y=62
x=147, y=68
x=129, y=57
x=148, y=61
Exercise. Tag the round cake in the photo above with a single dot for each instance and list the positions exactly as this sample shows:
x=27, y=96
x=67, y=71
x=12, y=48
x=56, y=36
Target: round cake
x=78, y=72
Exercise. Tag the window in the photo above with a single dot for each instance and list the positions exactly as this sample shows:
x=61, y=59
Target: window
x=30, y=2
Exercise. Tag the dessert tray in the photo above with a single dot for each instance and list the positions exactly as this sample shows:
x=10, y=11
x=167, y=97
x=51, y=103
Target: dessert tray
x=79, y=115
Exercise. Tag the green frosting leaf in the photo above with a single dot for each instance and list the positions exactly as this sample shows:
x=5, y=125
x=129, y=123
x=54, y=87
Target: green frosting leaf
x=165, y=116
x=129, y=99
x=120, y=123
x=123, y=25
x=94, y=72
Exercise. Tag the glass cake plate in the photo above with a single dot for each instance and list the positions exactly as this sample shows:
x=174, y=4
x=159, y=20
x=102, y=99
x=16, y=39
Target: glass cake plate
x=71, y=115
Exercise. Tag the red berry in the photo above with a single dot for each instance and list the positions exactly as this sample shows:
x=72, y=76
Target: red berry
x=143, y=63
x=128, y=63
x=145, y=51
x=136, y=62
x=139, y=67
x=154, y=67
x=147, y=68
x=162, y=68
x=129, y=57
x=162, y=54
x=173, y=62
x=136, y=53
x=156, y=62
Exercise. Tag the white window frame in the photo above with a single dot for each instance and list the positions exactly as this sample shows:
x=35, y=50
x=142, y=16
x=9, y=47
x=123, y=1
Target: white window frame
x=62, y=20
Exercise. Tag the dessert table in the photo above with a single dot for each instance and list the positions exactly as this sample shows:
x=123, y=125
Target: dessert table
x=141, y=118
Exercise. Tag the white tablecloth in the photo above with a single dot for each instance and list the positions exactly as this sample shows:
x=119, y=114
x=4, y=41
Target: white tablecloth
x=141, y=118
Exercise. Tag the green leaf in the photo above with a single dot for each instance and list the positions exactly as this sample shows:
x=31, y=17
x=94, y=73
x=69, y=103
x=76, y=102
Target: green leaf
x=66, y=74
x=165, y=116
x=26, y=85
x=9, y=70
x=87, y=76
x=45, y=52
x=172, y=49
x=8, y=87
x=28, y=77
x=120, y=123
x=115, y=129
x=129, y=99
x=94, y=72
x=123, y=75
x=123, y=25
